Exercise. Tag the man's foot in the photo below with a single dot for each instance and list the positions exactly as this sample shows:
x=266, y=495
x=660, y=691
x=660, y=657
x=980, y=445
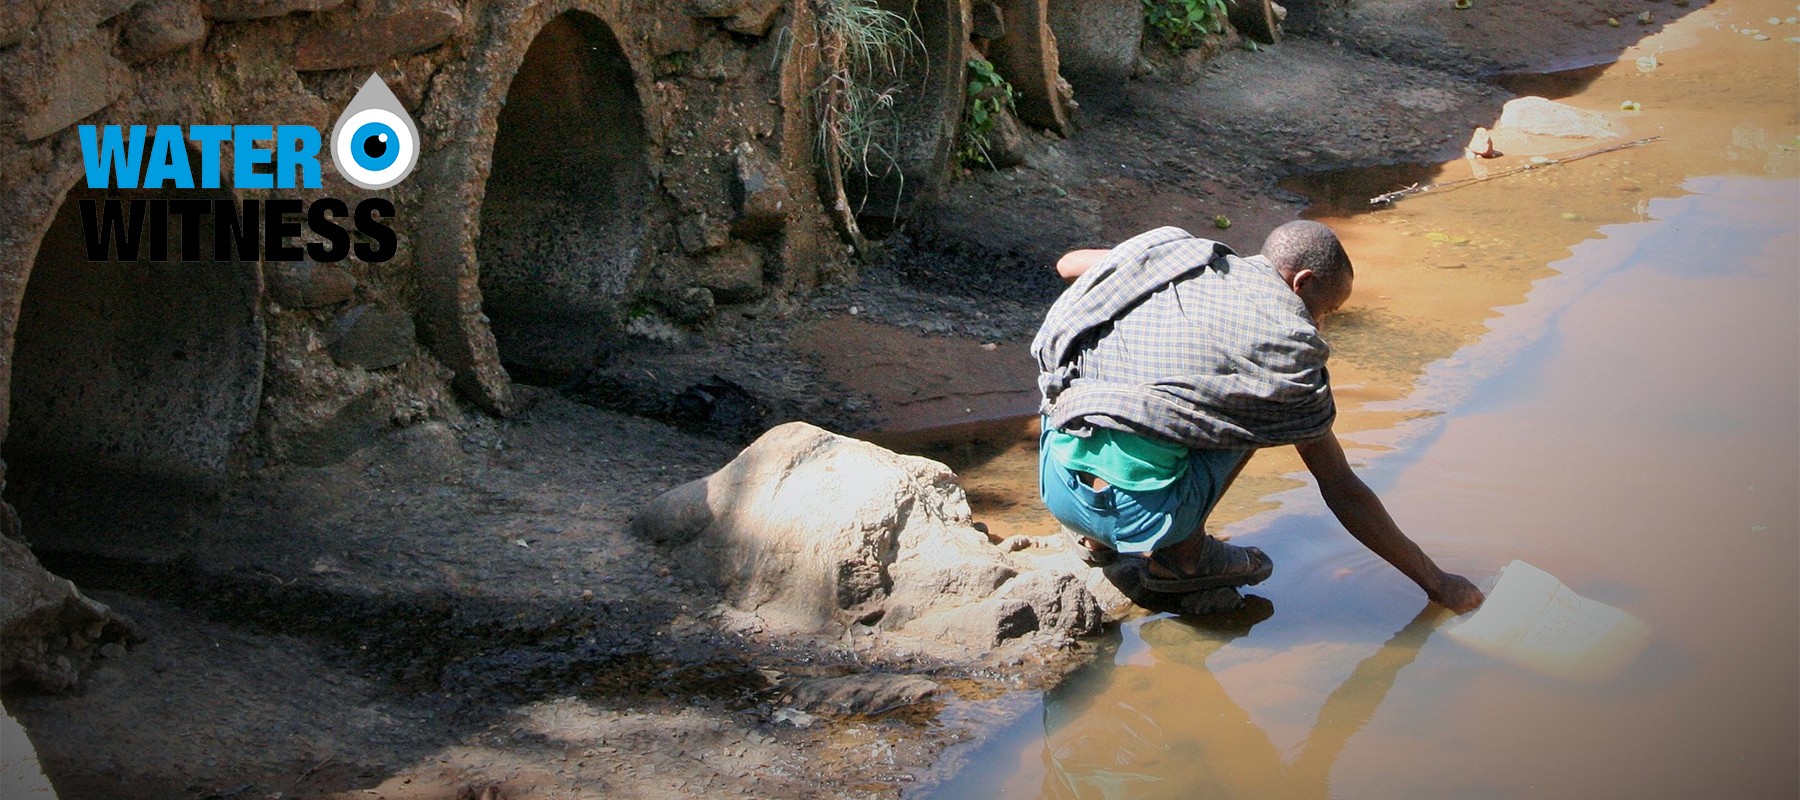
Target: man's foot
x=1208, y=563
x=1128, y=576
x=1092, y=553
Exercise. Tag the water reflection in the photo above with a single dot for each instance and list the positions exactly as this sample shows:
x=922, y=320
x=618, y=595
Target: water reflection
x=1170, y=729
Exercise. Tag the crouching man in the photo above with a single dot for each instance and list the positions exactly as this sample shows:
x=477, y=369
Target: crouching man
x=1167, y=361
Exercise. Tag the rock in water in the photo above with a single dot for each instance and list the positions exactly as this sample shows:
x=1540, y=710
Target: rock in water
x=1542, y=117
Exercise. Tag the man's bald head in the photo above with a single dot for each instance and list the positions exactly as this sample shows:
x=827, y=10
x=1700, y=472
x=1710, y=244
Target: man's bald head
x=1307, y=245
x=1313, y=262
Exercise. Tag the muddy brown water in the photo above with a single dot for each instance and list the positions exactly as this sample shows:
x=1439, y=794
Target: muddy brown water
x=1594, y=367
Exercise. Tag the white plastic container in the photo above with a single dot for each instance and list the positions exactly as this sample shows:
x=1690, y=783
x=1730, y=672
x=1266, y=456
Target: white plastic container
x=1533, y=620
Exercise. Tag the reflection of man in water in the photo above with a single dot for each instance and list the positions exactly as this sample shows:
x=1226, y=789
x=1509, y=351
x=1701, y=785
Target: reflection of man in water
x=1163, y=366
x=1171, y=731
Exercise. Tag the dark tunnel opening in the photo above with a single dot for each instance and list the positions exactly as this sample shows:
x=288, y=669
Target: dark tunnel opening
x=563, y=221
x=130, y=376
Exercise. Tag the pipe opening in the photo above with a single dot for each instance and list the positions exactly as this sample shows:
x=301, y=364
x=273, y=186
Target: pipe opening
x=134, y=372
x=563, y=219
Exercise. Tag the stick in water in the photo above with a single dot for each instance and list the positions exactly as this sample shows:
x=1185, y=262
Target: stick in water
x=1409, y=191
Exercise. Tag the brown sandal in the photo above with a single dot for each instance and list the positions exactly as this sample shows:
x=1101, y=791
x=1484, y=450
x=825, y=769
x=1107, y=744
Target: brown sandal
x=1221, y=565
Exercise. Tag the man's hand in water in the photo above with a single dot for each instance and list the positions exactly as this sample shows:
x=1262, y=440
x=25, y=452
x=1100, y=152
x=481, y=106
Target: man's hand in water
x=1456, y=593
x=1362, y=513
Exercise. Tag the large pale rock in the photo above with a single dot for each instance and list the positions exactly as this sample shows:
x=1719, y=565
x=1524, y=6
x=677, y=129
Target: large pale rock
x=755, y=18
x=49, y=632
x=1541, y=117
x=812, y=532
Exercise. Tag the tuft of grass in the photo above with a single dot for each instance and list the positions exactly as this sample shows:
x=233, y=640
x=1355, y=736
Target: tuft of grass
x=863, y=50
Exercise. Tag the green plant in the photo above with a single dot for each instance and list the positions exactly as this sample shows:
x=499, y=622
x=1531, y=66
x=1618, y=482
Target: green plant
x=1184, y=24
x=989, y=96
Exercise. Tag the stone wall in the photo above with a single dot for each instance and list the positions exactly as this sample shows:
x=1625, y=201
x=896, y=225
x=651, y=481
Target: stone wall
x=583, y=163
x=642, y=166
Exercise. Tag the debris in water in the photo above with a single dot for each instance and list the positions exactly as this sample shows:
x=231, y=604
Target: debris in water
x=1463, y=5
x=1612, y=21
x=1482, y=144
x=1646, y=17
x=1535, y=163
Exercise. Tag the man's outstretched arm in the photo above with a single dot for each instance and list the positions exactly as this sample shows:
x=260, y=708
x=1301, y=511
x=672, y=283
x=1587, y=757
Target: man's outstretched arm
x=1362, y=513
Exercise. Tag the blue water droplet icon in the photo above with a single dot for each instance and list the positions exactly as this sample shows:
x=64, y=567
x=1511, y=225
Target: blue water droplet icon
x=375, y=143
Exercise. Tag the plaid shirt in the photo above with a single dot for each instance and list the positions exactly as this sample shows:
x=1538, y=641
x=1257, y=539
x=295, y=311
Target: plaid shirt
x=1176, y=337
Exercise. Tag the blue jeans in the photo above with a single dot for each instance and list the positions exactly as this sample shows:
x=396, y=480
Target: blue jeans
x=1131, y=521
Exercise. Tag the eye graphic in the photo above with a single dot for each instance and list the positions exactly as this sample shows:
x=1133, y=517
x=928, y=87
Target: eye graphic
x=374, y=146
x=374, y=143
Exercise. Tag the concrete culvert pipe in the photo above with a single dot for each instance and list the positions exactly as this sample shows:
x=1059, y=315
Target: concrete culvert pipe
x=132, y=371
x=562, y=222
x=1026, y=55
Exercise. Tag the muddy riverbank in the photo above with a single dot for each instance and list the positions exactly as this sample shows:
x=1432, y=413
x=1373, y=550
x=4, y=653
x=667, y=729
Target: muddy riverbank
x=458, y=606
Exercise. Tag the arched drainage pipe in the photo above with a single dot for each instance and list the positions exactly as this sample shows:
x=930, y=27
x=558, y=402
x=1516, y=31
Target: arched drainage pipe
x=145, y=371
x=533, y=236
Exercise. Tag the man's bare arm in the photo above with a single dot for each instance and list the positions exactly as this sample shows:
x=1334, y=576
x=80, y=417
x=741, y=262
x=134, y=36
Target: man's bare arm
x=1363, y=514
x=1076, y=262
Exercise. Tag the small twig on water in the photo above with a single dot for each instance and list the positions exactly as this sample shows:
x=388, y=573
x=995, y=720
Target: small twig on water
x=1409, y=191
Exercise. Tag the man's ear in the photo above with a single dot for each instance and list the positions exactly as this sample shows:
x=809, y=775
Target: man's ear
x=1301, y=278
